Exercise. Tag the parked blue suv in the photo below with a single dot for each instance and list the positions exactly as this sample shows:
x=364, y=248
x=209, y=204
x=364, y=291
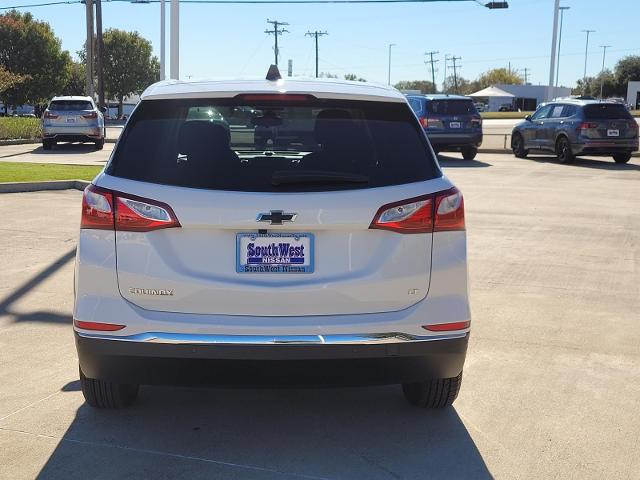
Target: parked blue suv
x=572, y=127
x=451, y=122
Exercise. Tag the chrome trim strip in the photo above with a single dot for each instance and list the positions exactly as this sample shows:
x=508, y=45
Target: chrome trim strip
x=339, y=339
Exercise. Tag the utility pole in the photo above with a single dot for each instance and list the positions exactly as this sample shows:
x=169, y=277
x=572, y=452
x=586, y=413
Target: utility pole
x=277, y=31
x=604, y=53
x=586, y=50
x=526, y=75
x=174, y=67
x=89, y=47
x=316, y=34
x=433, y=69
x=389, y=72
x=99, y=53
x=562, y=9
x=455, y=72
x=447, y=57
x=162, y=48
x=554, y=42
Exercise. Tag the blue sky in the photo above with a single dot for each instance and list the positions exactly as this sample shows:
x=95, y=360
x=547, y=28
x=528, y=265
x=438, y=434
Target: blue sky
x=229, y=40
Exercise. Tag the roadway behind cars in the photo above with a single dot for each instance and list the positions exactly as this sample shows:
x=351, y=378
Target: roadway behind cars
x=550, y=388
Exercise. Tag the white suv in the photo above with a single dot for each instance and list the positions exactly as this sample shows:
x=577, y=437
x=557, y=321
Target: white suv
x=317, y=242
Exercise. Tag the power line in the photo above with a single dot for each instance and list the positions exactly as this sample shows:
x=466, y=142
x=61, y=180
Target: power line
x=276, y=32
x=316, y=34
x=433, y=68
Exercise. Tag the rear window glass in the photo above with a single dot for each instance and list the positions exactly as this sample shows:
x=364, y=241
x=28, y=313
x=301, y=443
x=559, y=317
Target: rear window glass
x=68, y=105
x=451, y=107
x=416, y=105
x=606, y=111
x=266, y=145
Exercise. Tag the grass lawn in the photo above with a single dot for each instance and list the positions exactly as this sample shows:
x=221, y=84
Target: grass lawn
x=33, y=172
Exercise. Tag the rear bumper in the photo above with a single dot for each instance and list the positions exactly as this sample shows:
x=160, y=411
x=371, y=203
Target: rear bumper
x=334, y=360
x=455, y=140
x=73, y=134
x=605, y=147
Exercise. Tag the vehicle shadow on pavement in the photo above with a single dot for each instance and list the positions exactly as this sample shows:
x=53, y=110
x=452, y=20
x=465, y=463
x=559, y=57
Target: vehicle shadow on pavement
x=360, y=433
x=28, y=286
x=66, y=148
x=604, y=164
x=453, y=162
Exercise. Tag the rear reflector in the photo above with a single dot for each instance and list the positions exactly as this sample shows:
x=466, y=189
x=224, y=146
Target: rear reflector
x=447, y=327
x=107, y=210
x=103, y=327
x=437, y=212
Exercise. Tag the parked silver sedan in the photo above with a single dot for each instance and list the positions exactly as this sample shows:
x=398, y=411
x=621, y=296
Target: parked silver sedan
x=72, y=119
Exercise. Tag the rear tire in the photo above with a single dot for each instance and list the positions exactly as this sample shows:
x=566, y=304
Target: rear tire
x=469, y=153
x=622, y=157
x=563, y=150
x=103, y=394
x=517, y=146
x=99, y=144
x=47, y=144
x=437, y=393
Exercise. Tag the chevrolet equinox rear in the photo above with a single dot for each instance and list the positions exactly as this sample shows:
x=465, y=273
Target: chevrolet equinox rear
x=317, y=243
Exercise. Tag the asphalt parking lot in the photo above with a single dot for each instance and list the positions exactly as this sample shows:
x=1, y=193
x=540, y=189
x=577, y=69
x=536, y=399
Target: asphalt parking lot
x=552, y=379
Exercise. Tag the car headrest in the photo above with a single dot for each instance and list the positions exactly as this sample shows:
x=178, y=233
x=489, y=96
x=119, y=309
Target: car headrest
x=203, y=135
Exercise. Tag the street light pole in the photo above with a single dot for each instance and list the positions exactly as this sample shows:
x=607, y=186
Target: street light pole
x=89, y=48
x=99, y=53
x=586, y=50
x=554, y=43
x=162, y=35
x=174, y=72
x=389, y=72
x=562, y=9
x=604, y=53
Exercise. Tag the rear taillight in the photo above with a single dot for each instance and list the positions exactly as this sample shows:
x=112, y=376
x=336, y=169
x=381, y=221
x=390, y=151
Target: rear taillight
x=438, y=212
x=633, y=125
x=48, y=114
x=587, y=126
x=107, y=210
x=476, y=122
x=423, y=122
x=92, y=115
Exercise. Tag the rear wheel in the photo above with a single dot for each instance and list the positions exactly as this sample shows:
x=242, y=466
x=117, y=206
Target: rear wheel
x=47, y=144
x=622, y=157
x=517, y=146
x=103, y=394
x=469, y=153
x=99, y=144
x=563, y=150
x=437, y=393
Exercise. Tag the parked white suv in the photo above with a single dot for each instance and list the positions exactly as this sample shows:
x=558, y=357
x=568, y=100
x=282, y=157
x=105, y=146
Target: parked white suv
x=319, y=243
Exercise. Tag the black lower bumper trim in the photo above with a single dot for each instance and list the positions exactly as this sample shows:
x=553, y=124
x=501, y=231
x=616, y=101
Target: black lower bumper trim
x=273, y=365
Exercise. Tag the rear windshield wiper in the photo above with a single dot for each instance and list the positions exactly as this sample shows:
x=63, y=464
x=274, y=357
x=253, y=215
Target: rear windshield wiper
x=288, y=177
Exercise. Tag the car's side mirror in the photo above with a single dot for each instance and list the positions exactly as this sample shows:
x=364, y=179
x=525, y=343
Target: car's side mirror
x=528, y=118
x=103, y=109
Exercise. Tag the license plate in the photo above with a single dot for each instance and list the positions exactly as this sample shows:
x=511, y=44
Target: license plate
x=454, y=124
x=274, y=253
x=71, y=120
x=613, y=133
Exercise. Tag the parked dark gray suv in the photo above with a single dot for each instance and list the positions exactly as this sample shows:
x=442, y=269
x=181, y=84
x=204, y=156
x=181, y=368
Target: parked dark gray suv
x=575, y=127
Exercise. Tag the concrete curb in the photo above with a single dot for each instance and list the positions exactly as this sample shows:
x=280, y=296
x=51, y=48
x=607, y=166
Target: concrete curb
x=25, y=141
x=16, y=187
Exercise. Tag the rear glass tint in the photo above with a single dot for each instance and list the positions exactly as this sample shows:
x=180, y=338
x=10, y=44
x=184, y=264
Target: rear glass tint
x=69, y=105
x=242, y=145
x=604, y=111
x=451, y=107
x=416, y=105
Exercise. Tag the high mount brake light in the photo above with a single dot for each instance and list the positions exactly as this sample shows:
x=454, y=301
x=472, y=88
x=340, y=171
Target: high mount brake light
x=437, y=212
x=104, y=209
x=275, y=97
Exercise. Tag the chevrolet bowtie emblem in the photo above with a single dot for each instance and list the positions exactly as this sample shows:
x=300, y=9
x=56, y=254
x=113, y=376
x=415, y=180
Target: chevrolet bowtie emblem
x=276, y=217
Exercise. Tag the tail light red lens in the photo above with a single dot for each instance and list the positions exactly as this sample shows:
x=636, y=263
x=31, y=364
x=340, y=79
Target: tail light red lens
x=424, y=122
x=91, y=115
x=476, y=122
x=107, y=210
x=587, y=125
x=633, y=125
x=438, y=212
x=48, y=114
x=447, y=327
x=102, y=327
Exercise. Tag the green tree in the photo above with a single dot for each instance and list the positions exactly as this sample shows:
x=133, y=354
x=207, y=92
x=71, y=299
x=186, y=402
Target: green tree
x=591, y=86
x=76, y=82
x=465, y=87
x=422, y=85
x=29, y=48
x=9, y=80
x=354, y=78
x=627, y=69
x=128, y=65
x=497, y=76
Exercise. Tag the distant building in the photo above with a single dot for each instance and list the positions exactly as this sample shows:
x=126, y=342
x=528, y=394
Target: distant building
x=518, y=97
x=633, y=94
